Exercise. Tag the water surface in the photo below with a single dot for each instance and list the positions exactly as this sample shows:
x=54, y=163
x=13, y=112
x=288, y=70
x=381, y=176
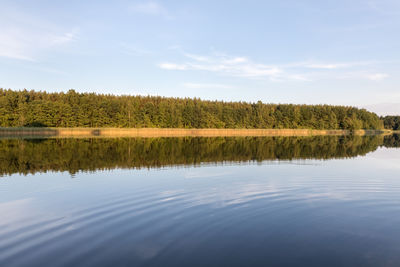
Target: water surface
x=310, y=201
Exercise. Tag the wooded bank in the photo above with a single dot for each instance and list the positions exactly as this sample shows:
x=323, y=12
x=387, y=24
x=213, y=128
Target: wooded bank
x=72, y=109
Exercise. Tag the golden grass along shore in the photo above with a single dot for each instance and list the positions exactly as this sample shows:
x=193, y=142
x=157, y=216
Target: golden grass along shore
x=173, y=132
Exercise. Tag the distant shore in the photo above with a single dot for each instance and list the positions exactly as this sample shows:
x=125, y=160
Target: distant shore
x=173, y=132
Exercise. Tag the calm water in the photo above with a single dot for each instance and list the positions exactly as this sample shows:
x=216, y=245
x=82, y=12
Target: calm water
x=320, y=201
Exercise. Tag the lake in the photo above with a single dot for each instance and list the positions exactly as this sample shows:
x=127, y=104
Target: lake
x=224, y=201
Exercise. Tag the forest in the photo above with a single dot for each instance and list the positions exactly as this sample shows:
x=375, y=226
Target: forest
x=72, y=109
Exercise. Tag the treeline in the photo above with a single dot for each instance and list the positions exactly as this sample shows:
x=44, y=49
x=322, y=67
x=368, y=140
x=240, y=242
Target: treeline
x=74, y=155
x=391, y=122
x=72, y=109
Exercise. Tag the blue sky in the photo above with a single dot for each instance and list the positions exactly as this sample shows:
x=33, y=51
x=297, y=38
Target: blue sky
x=313, y=52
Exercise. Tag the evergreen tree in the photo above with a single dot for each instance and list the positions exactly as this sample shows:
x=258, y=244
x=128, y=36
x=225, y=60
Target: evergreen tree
x=72, y=109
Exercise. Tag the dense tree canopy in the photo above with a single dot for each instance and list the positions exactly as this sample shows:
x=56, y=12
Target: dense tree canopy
x=391, y=122
x=72, y=109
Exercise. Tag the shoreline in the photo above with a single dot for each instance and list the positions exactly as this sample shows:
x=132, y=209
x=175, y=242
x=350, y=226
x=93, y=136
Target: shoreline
x=174, y=132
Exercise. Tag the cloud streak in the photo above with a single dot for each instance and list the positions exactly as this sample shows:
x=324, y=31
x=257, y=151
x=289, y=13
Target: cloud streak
x=377, y=76
x=206, y=85
x=23, y=44
x=23, y=37
x=239, y=66
x=173, y=66
x=132, y=50
x=332, y=66
x=226, y=65
x=13, y=45
x=151, y=8
x=66, y=37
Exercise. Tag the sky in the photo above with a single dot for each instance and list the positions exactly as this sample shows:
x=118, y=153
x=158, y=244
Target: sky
x=288, y=51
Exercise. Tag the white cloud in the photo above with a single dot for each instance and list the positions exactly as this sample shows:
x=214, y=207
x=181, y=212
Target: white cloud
x=377, y=76
x=206, y=85
x=237, y=60
x=151, y=8
x=24, y=44
x=24, y=37
x=133, y=50
x=13, y=44
x=331, y=66
x=172, y=66
x=227, y=65
x=326, y=66
x=300, y=77
x=197, y=57
x=66, y=37
x=304, y=71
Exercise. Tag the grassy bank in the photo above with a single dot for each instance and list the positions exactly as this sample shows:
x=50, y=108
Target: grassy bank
x=173, y=132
